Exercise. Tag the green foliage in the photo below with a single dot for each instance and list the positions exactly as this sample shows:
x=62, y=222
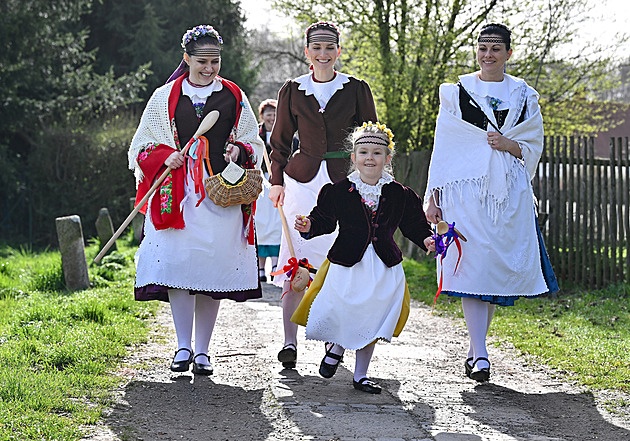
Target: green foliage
x=405, y=50
x=128, y=35
x=582, y=334
x=51, y=97
x=58, y=349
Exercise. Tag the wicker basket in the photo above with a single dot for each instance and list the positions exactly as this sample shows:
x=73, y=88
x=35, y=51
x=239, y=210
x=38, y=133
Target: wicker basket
x=245, y=191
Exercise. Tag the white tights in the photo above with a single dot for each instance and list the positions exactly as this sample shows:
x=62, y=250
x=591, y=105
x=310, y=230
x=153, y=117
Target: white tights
x=363, y=358
x=478, y=315
x=290, y=302
x=201, y=309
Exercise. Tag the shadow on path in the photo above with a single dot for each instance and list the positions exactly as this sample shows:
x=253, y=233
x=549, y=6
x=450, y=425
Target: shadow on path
x=550, y=415
x=188, y=408
x=332, y=408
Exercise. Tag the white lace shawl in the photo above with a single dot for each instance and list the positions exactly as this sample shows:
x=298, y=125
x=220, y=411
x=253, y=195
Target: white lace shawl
x=370, y=193
x=461, y=156
x=155, y=127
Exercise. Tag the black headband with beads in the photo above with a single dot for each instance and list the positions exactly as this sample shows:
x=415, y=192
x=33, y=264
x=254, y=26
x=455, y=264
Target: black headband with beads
x=484, y=39
x=205, y=52
x=327, y=37
x=372, y=139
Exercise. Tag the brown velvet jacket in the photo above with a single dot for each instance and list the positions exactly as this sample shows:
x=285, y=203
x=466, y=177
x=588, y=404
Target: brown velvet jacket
x=319, y=132
x=340, y=203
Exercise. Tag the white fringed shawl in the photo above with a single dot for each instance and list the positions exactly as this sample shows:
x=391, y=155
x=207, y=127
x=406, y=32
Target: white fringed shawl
x=461, y=156
x=488, y=194
x=155, y=127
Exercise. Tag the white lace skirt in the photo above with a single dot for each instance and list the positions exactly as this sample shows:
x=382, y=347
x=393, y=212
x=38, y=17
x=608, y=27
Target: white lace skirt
x=359, y=304
x=268, y=224
x=300, y=198
x=210, y=254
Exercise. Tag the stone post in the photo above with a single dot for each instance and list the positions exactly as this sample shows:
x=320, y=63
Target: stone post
x=137, y=223
x=70, y=236
x=105, y=228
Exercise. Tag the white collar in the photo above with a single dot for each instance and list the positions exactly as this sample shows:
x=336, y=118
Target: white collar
x=503, y=90
x=322, y=91
x=200, y=94
x=367, y=191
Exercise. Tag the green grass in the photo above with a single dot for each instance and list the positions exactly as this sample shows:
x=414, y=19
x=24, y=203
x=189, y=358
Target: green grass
x=58, y=349
x=583, y=334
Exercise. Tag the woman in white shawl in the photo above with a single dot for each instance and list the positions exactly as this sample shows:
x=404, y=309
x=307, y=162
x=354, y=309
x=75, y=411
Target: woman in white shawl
x=195, y=253
x=488, y=141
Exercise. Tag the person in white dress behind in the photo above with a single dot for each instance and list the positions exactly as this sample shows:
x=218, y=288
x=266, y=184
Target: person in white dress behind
x=268, y=224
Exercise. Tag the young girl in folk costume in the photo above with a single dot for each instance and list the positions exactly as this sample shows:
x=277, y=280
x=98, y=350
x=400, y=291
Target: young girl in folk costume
x=268, y=225
x=359, y=294
x=322, y=106
x=488, y=141
x=194, y=252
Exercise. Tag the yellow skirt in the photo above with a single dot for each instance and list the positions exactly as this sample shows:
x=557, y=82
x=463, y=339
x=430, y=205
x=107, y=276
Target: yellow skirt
x=300, y=316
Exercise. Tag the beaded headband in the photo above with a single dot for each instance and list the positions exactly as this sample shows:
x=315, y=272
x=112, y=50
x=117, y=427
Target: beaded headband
x=210, y=52
x=198, y=32
x=383, y=129
x=372, y=139
x=323, y=38
x=485, y=39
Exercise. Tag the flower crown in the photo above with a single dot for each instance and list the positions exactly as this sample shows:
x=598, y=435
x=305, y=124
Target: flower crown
x=198, y=32
x=383, y=129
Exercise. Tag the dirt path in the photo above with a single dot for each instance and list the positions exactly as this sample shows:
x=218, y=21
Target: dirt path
x=425, y=396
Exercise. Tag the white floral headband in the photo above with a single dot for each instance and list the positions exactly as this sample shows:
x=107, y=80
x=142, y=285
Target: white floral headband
x=198, y=32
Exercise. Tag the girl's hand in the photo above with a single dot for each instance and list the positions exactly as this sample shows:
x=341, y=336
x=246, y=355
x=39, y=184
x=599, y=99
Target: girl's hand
x=276, y=194
x=302, y=224
x=432, y=212
x=430, y=244
x=175, y=160
x=231, y=153
x=499, y=142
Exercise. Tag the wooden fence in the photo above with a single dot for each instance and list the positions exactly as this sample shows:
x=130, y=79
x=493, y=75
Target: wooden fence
x=584, y=210
x=584, y=207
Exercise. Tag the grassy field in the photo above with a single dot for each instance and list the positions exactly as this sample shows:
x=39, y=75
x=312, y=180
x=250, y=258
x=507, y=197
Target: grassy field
x=583, y=334
x=58, y=350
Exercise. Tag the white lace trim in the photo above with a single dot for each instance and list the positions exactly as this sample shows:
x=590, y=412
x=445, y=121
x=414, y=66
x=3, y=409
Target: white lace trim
x=323, y=92
x=200, y=94
x=370, y=193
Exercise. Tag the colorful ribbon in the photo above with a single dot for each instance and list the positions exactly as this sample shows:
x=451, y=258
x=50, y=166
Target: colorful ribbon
x=442, y=243
x=290, y=269
x=198, y=152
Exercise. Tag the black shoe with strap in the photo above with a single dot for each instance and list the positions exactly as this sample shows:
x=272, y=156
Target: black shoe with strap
x=468, y=367
x=201, y=369
x=184, y=365
x=482, y=374
x=288, y=356
x=327, y=370
x=366, y=385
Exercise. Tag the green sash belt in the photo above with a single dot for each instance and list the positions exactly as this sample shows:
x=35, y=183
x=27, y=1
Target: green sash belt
x=335, y=155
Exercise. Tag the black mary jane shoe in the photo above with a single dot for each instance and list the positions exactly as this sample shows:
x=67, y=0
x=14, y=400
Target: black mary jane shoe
x=201, y=369
x=482, y=374
x=328, y=346
x=468, y=367
x=184, y=365
x=327, y=370
x=366, y=385
x=288, y=356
